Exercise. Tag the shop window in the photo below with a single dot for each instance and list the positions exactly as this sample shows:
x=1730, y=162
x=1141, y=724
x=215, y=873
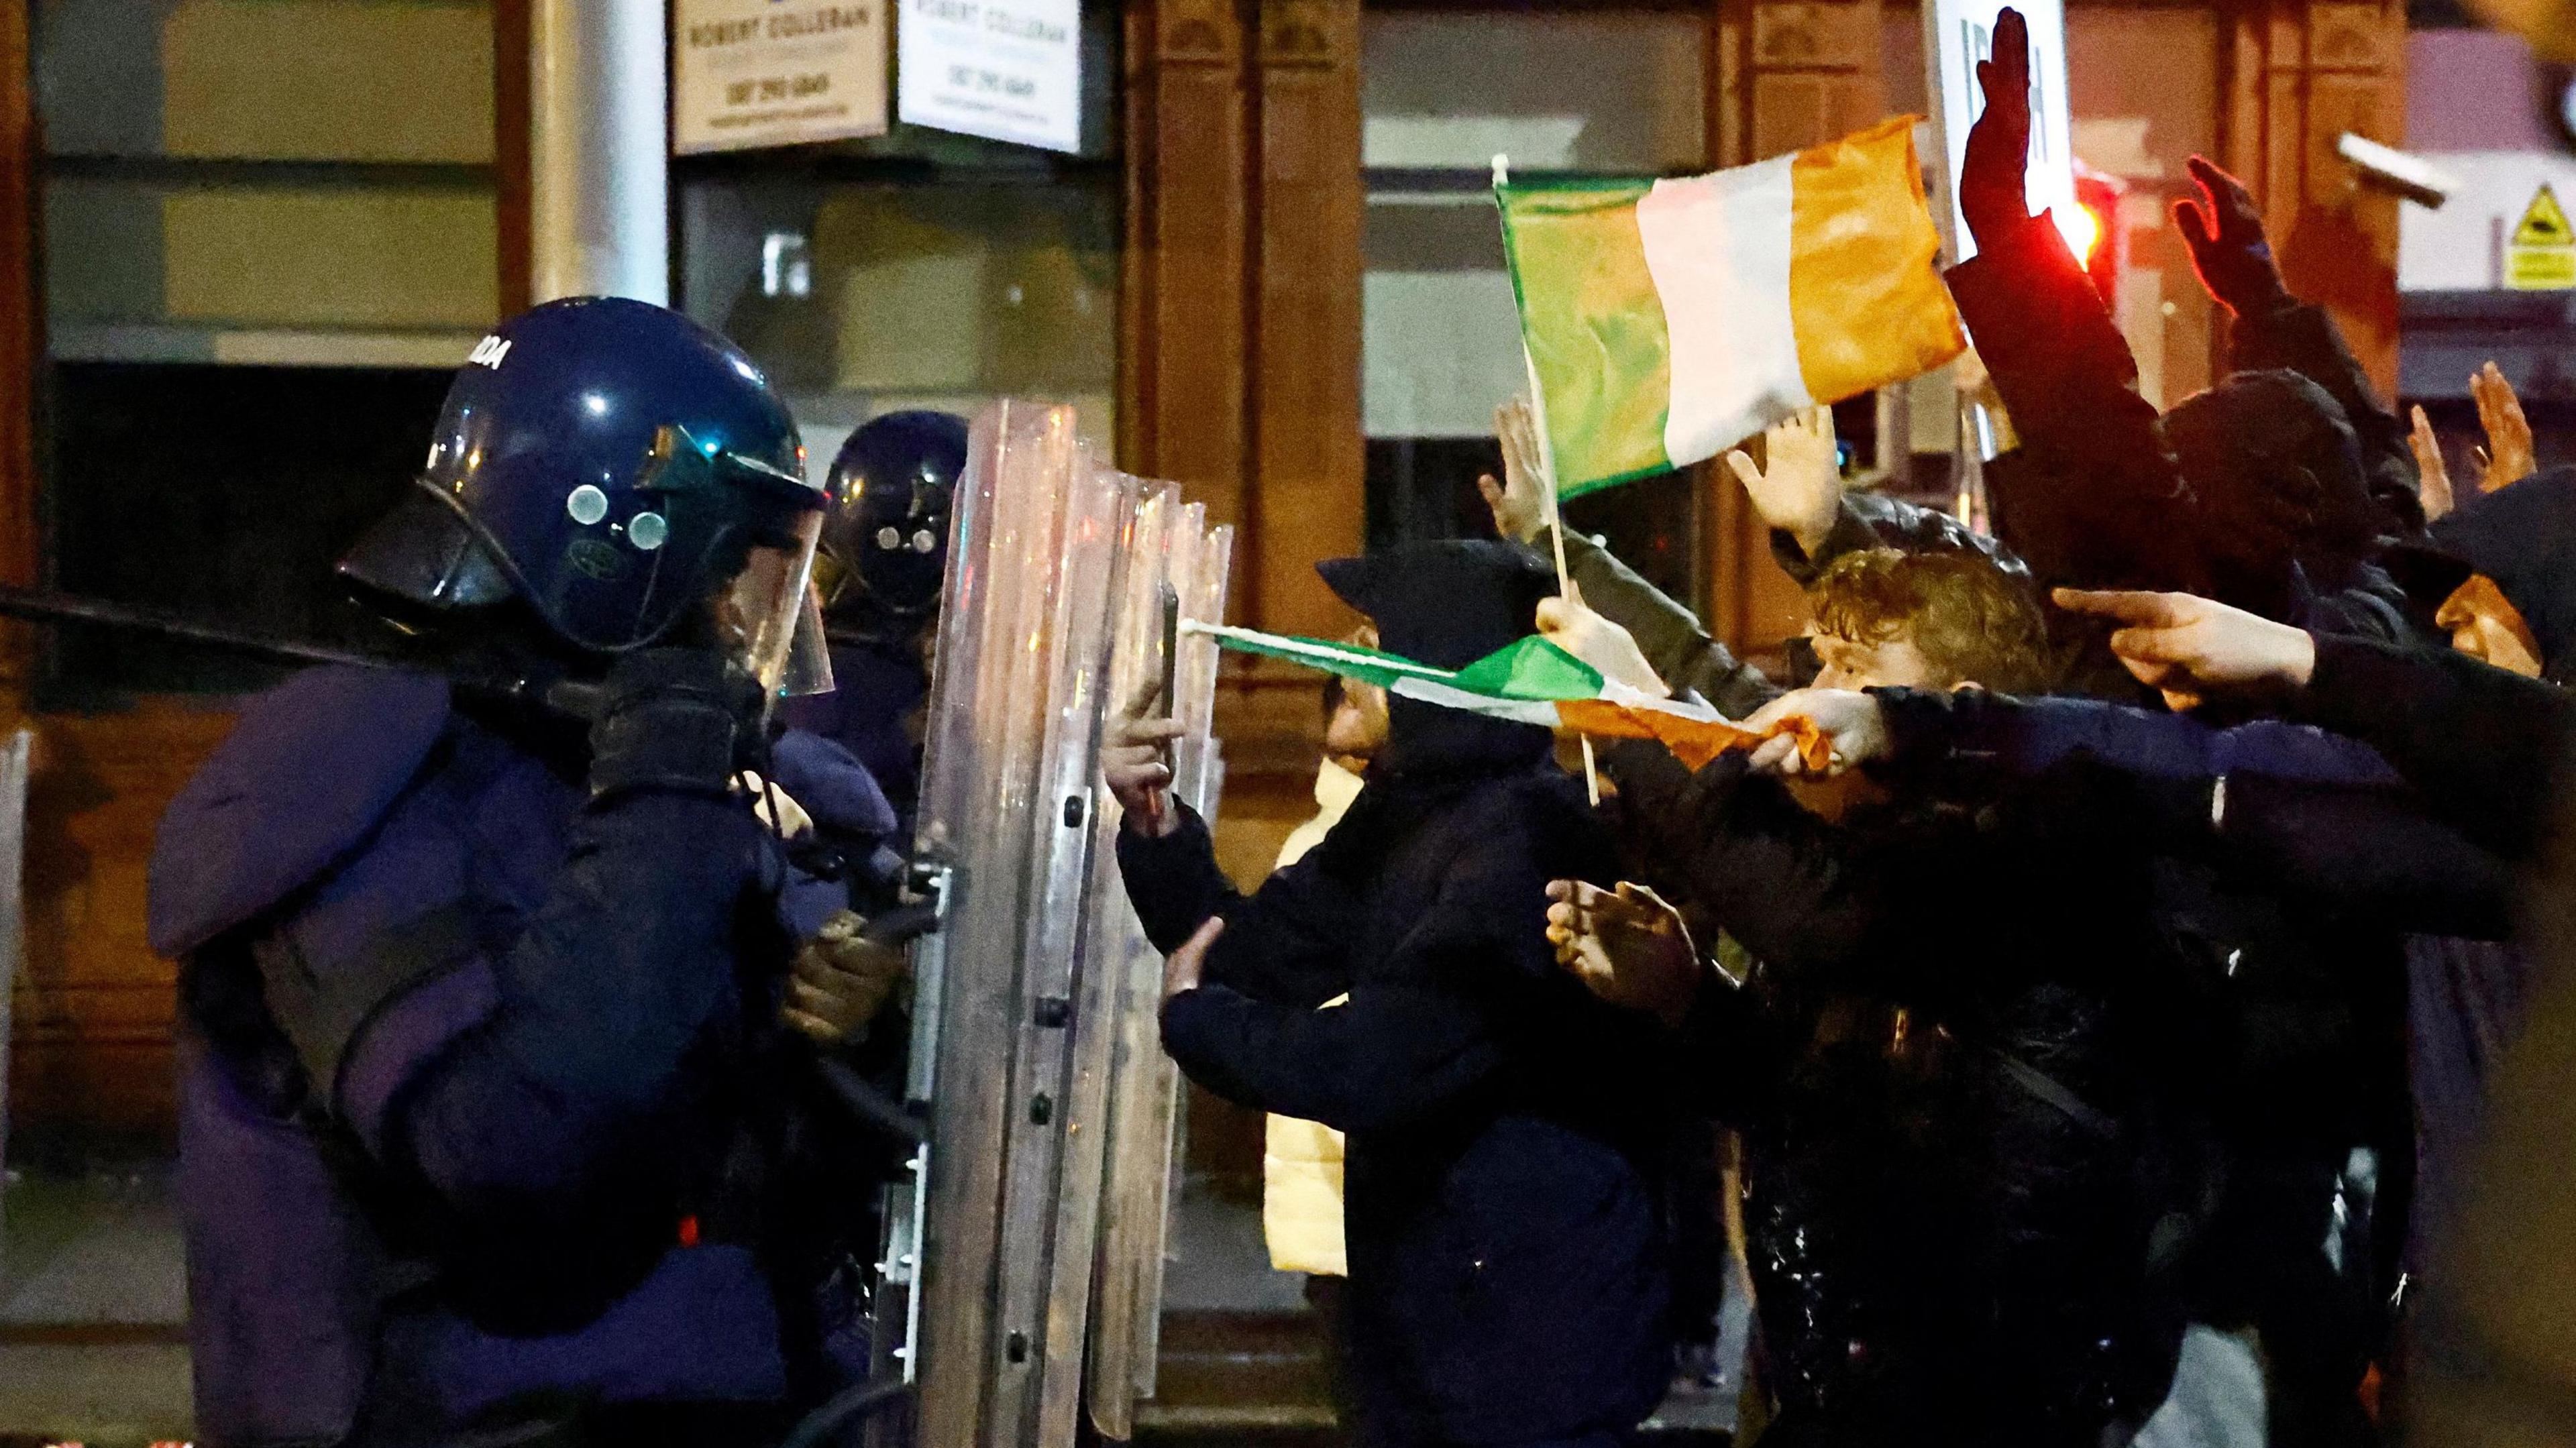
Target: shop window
x=1441, y=95
x=258, y=275
x=223, y=494
x=917, y=268
x=861, y=291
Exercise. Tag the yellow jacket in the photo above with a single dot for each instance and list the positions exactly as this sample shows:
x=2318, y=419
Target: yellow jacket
x=1301, y=1163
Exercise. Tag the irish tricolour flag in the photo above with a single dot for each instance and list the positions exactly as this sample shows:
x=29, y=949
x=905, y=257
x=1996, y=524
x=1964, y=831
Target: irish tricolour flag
x=1669, y=320
x=1529, y=682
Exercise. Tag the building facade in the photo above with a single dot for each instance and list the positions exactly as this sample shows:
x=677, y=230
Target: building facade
x=242, y=240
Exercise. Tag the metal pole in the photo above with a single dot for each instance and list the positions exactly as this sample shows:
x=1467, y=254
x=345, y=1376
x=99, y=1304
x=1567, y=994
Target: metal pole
x=599, y=176
x=14, y=753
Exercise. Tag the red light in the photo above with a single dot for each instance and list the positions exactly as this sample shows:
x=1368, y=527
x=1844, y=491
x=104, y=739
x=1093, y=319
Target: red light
x=2082, y=228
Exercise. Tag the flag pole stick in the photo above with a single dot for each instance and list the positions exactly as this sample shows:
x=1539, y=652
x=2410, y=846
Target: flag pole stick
x=1556, y=535
x=1547, y=490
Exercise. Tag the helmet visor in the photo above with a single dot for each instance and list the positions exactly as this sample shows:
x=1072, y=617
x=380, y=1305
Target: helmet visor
x=809, y=653
x=770, y=606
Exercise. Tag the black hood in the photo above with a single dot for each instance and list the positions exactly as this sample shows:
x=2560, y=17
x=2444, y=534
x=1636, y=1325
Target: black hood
x=1447, y=602
x=2524, y=537
x=2258, y=430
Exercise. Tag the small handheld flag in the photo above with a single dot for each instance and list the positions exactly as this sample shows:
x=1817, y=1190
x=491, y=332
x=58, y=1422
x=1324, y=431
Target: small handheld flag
x=1530, y=682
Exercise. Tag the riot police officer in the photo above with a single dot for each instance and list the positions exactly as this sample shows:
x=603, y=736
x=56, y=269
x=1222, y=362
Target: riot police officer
x=880, y=568
x=485, y=1133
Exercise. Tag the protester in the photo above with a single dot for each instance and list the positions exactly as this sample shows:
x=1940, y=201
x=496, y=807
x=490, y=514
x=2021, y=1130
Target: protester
x=1797, y=492
x=1301, y=1161
x=2260, y=491
x=1507, y=1274
x=1958, y=1151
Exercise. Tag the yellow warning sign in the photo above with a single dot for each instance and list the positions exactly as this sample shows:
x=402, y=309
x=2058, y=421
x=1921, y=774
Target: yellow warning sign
x=2541, y=254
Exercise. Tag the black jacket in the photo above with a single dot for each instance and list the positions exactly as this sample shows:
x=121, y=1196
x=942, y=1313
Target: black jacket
x=2096, y=498
x=1507, y=1275
x=1947, y=1066
x=2272, y=806
x=2482, y=744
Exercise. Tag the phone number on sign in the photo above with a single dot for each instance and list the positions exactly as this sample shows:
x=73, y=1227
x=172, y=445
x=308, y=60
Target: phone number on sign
x=776, y=88
x=968, y=78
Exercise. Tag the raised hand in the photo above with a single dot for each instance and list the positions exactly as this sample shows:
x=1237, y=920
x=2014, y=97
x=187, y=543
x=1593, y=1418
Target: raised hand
x=2224, y=230
x=1627, y=946
x=1133, y=749
x=2507, y=458
x=2184, y=646
x=1597, y=641
x=1799, y=489
x=1852, y=721
x=1994, y=194
x=1519, y=508
x=2432, y=475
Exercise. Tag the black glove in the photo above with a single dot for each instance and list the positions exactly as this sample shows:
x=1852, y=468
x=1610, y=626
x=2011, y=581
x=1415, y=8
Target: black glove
x=2228, y=247
x=675, y=719
x=1993, y=192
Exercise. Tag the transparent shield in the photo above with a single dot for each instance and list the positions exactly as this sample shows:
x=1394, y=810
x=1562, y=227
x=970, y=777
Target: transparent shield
x=1045, y=1061
x=1050, y=1097
x=980, y=815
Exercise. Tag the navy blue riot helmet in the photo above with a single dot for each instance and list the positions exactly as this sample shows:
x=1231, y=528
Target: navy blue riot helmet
x=885, y=543
x=625, y=473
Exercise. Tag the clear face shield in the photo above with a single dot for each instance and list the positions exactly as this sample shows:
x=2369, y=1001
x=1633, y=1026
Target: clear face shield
x=771, y=618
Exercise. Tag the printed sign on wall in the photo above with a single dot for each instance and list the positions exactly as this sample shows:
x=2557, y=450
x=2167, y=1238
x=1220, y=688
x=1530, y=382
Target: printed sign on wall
x=2541, y=255
x=1958, y=34
x=752, y=73
x=1007, y=70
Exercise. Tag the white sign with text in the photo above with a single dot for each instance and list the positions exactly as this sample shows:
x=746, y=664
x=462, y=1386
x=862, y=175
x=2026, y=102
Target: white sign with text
x=752, y=73
x=1956, y=35
x=1006, y=70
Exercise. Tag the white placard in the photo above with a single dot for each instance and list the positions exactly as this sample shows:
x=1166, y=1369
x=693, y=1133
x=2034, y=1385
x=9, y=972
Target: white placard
x=1007, y=70
x=1958, y=34
x=776, y=72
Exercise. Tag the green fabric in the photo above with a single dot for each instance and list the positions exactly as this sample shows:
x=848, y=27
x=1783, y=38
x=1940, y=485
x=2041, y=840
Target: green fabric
x=1531, y=670
x=1594, y=327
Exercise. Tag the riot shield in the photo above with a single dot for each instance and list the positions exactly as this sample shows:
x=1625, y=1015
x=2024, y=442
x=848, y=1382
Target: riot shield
x=1141, y=1175
x=1028, y=1017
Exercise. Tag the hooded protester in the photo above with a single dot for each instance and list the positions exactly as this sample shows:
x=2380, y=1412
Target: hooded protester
x=2257, y=491
x=1507, y=1266
x=2497, y=572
